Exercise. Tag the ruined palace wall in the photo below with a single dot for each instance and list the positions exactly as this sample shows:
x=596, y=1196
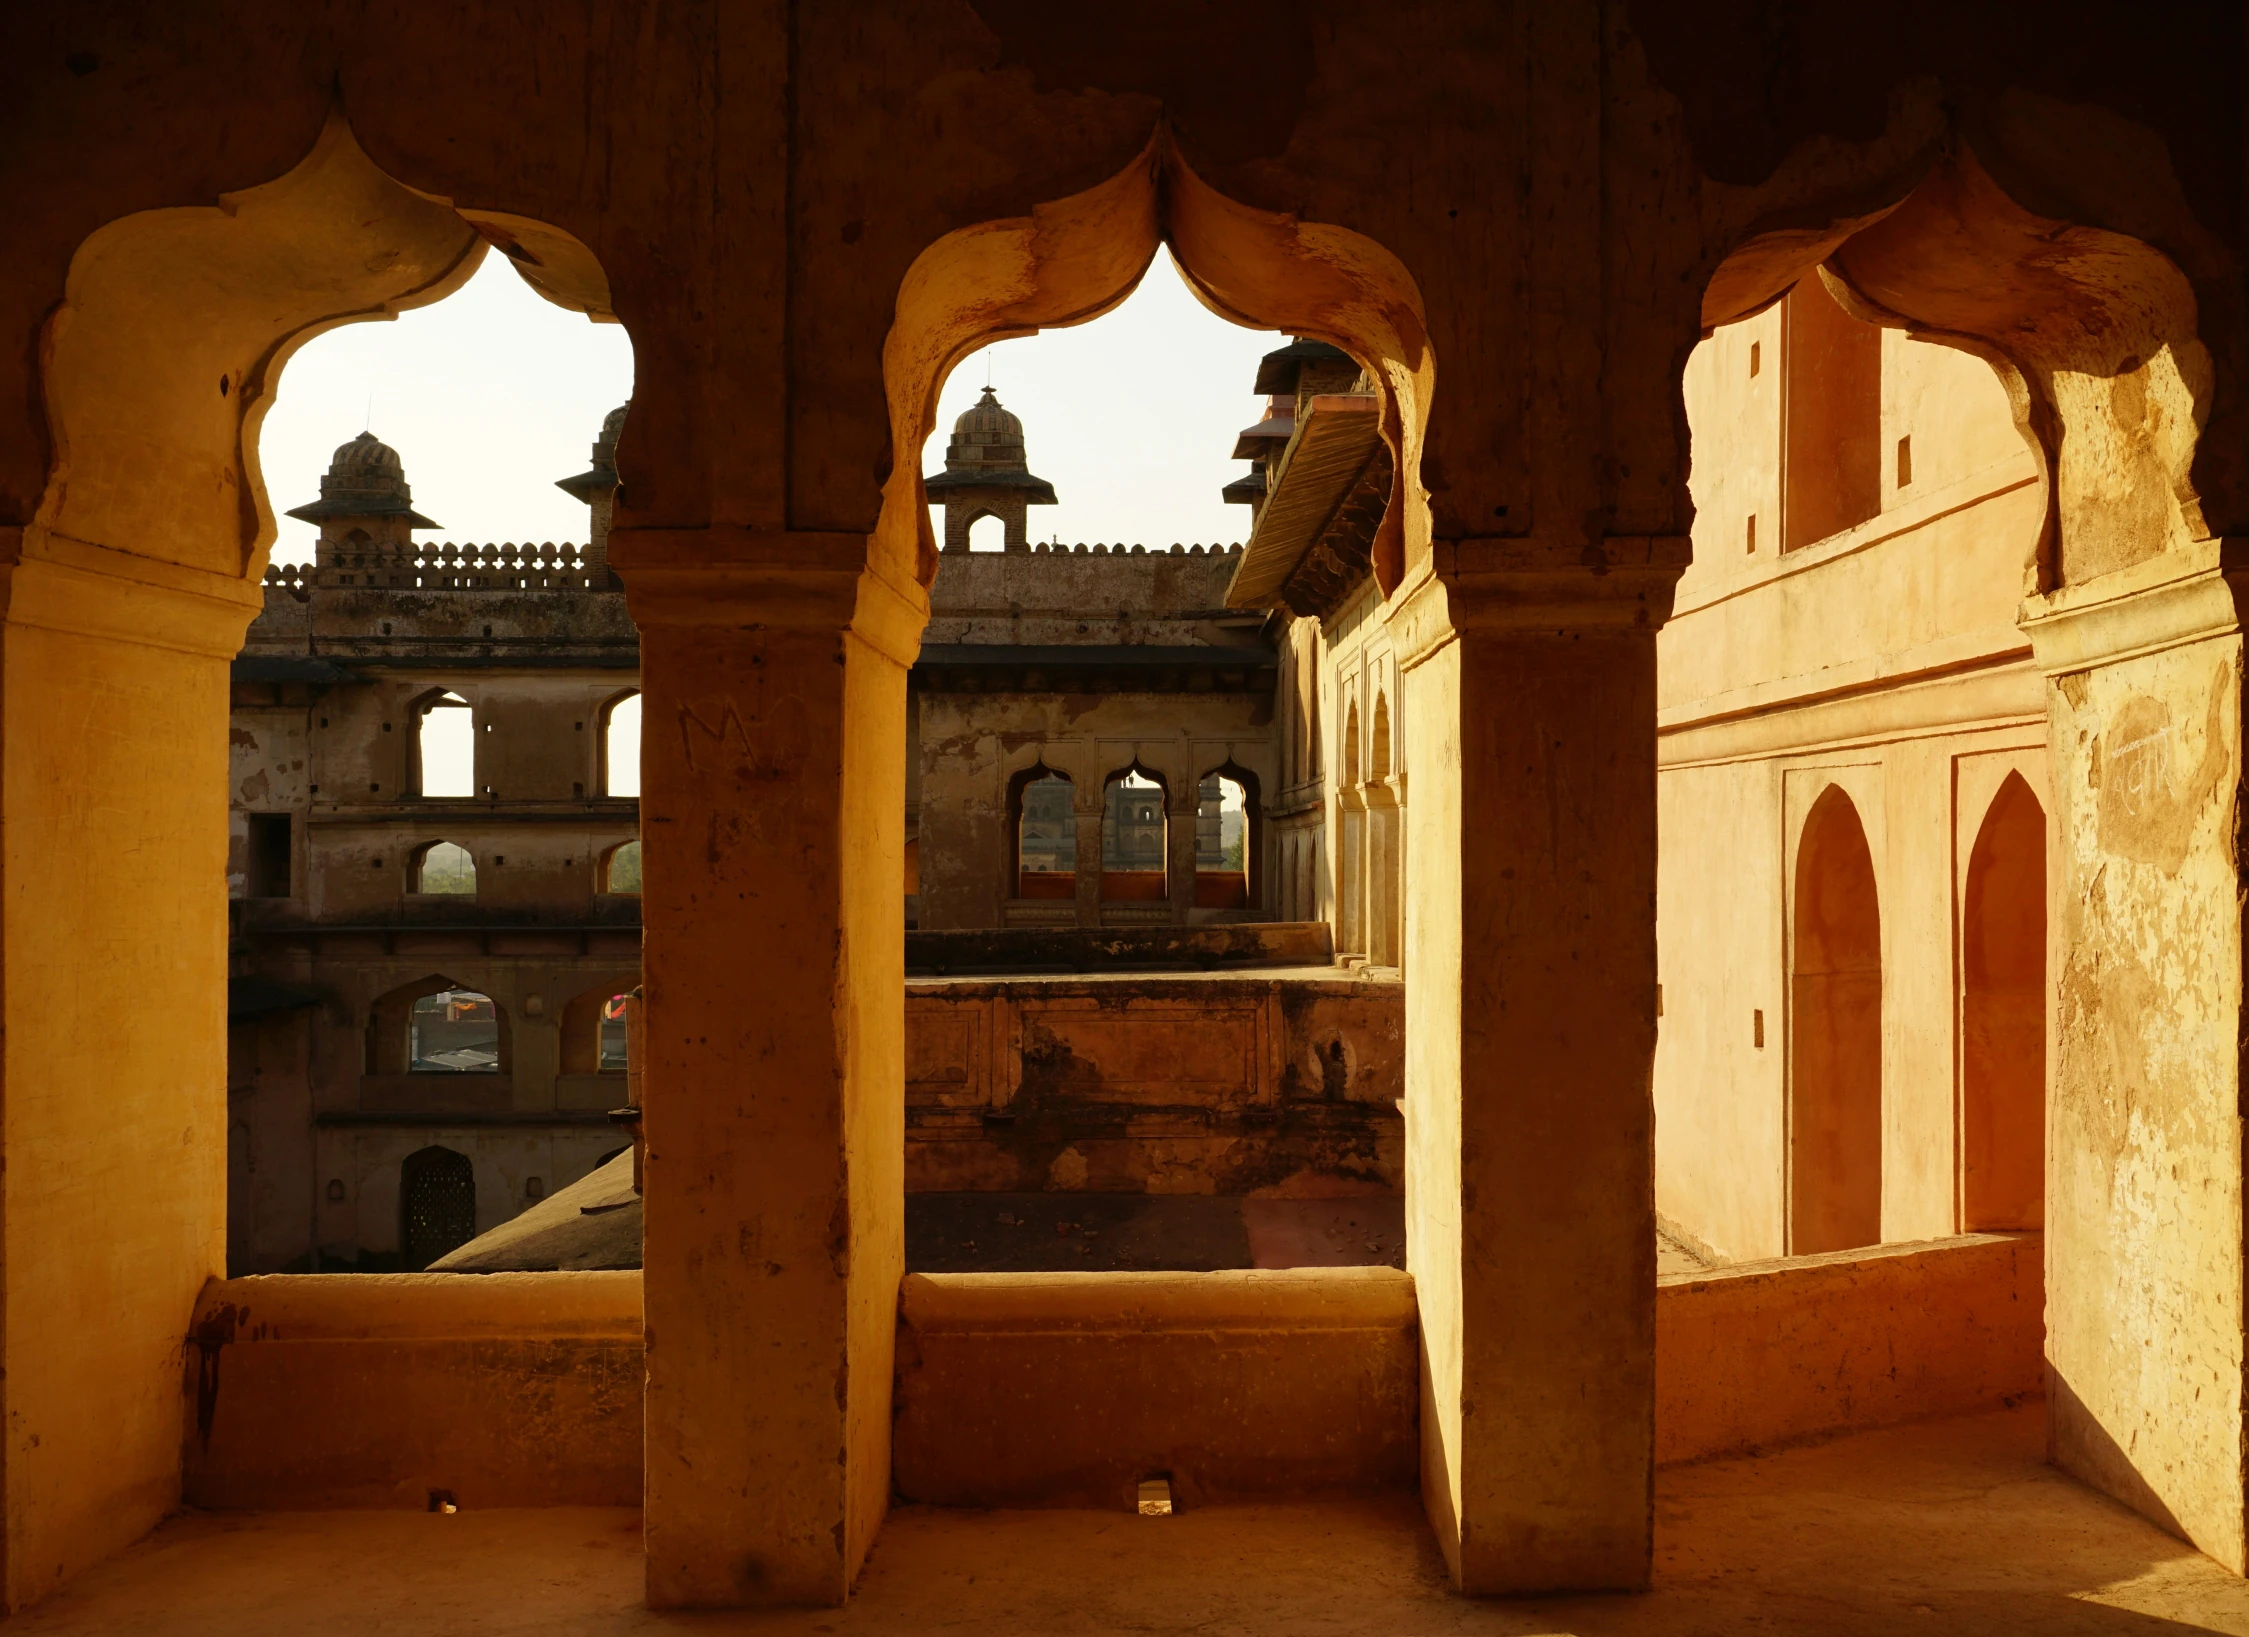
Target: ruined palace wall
x=973, y=744
x=1885, y=660
x=1063, y=595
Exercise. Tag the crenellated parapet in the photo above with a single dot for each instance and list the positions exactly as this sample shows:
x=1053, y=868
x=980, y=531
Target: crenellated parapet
x=446, y=566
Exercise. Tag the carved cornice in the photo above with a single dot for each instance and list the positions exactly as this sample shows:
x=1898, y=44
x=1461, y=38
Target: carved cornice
x=2188, y=594
x=1528, y=587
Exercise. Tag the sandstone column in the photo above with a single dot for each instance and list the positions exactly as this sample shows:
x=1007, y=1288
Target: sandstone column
x=113, y=848
x=1182, y=804
x=1530, y=742
x=2144, y=1178
x=773, y=678
x=1089, y=848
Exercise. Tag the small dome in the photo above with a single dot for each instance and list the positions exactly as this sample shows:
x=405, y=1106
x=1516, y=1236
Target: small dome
x=368, y=461
x=605, y=446
x=986, y=438
x=365, y=479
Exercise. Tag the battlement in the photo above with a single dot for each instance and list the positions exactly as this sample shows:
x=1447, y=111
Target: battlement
x=1102, y=549
x=446, y=566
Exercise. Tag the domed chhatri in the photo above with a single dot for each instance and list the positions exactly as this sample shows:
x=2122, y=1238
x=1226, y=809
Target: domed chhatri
x=987, y=474
x=598, y=489
x=364, y=499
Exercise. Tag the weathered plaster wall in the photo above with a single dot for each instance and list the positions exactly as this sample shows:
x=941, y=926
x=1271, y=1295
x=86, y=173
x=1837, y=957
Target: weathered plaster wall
x=1217, y=1084
x=1884, y=659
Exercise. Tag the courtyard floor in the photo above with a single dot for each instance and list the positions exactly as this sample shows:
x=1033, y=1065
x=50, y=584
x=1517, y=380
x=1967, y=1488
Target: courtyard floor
x=1952, y=1527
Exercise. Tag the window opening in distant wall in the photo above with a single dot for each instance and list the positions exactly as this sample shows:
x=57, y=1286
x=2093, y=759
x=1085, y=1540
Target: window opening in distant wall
x=2003, y=1018
x=1046, y=835
x=444, y=747
x=1133, y=838
x=620, y=747
x=1835, y=1036
x=1223, y=806
x=594, y=1027
x=987, y=533
x=444, y=867
x=1831, y=417
x=620, y=869
x=269, y=855
x=455, y=1031
x=436, y=1206
x=1905, y=462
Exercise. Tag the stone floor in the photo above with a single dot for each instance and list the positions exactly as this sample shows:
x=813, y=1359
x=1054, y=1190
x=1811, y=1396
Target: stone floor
x=1953, y=1528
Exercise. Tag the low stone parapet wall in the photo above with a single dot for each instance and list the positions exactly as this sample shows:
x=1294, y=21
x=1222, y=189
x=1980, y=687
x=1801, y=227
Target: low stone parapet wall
x=1015, y=1389
x=1767, y=1353
x=1032, y=1389
x=307, y=1391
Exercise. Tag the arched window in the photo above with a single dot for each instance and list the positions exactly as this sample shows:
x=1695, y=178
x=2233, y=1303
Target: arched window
x=444, y=746
x=1351, y=844
x=2003, y=1017
x=437, y=1025
x=1133, y=849
x=620, y=868
x=1835, y=1036
x=442, y=867
x=436, y=1206
x=593, y=1027
x=620, y=747
x=1046, y=834
x=455, y=1031
x=987, y=532
x=1225, y=820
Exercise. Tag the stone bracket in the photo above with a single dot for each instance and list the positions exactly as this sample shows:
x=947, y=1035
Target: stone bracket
x=746, y=578
x=1533, y=586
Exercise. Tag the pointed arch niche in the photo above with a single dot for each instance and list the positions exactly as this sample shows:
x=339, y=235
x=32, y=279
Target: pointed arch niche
x=1835, y=1036
x=2003, y=1017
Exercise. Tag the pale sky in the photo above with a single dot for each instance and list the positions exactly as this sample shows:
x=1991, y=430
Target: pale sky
x=492, y=394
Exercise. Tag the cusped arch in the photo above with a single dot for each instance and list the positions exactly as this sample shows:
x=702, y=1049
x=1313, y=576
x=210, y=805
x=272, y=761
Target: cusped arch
x=390, y=1045
x=2003, y=1016
x=2092, y=333
x=1076, y=258
x=165, y=353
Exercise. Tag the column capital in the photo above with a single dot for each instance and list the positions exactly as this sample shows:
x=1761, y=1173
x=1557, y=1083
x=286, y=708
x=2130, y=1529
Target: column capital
x=64, y=584
x=744, y=578
x=1531, y=585
x=2186, y=594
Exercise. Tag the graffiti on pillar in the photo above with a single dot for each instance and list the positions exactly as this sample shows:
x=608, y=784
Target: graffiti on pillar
x=766, y=745
x=2147, y=812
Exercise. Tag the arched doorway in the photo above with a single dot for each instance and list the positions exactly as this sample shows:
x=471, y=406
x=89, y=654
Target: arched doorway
x=1835, y=1037
x=436, y=1206
x=2003, y=1017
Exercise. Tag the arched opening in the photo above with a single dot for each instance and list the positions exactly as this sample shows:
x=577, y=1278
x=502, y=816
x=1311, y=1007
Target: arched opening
x=620, y=869
x=620, y=747
x=438, y=1025
x=1134, y=837
x=1385, y=845
x=456, y=1031
x=1350, y=843
x=436, y=1206
x=443, y=739
x=1226, y=840
x=987, y=531
x=442, y=869
x=2003, y=1018
x=1045, y=830
x=593, y=1027
x=1835, y=1036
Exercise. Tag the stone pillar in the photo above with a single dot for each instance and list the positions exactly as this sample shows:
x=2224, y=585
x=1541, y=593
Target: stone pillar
x=1089, y=850
x=1529, y=1044
x=113, y=929
x=2144, y=1176
x=1182, y=804
x=773, y=676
